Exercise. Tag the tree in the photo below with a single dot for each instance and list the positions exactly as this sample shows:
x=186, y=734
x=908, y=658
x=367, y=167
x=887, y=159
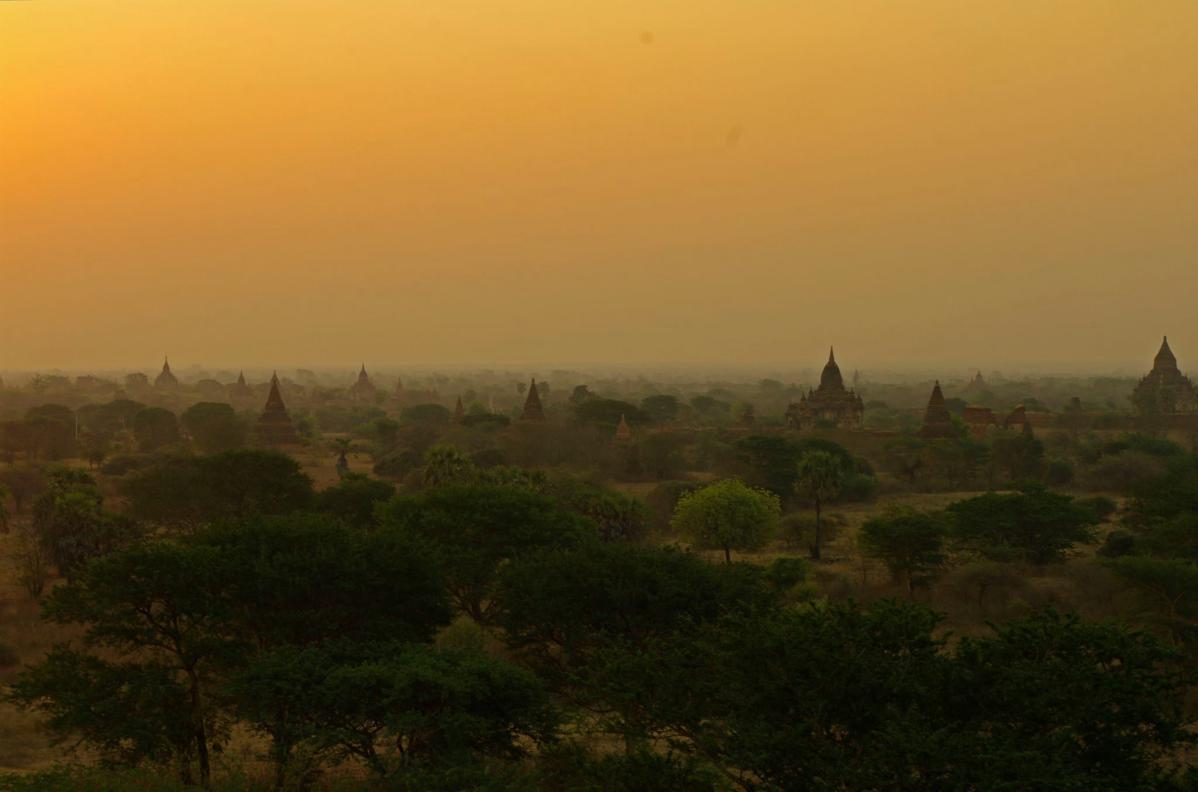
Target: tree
x=186, y=492
x=155, y=428
x=432, y=708
x=71, y=524
x=909, y=542
x=1035, y=525
x=155, y=610
x=354, y=499
x=727, y=515
x=561, y=605
x=1171, y=587
x=820, y=477
x=446, y=465
x=24, y=482
x=617, y=517
x=660, y=408
x=607, y=412
x=478, y=528
x=434, y=414
x=213, y=427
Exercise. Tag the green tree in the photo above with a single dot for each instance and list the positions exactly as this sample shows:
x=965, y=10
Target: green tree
x=71, y=524
x=214, y=427
x=446, y=465
x=155, y=610
x=819, y=479
x=1036, y=526
x=187, y=492
x=909, y=542
x=354, y=499
x=660, y=408
x=24, y=483
x=155, y=428
x=478, y=529
x=727, y=515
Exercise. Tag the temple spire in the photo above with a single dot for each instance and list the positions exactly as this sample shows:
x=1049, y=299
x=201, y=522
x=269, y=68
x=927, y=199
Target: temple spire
x=533, y=411
x=1165, y=357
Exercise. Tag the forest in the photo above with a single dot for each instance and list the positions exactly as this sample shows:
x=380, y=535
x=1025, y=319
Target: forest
x=478, y=582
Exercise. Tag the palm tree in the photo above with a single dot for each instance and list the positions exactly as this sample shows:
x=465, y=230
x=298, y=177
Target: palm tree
x=821, y=476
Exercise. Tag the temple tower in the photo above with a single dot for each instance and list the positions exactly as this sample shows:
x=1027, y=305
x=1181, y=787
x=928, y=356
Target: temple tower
x=274, y=425
x=937, y=420
x=363, y=389
x=533, y=411
x=166, y=379
x=1164, y=390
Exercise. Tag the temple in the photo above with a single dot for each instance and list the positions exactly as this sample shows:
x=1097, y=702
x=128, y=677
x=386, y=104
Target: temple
x=274, y=425
x=1164, y=390
x=623, y=431
x=363, y=389
x=240, y=389
x=459, y=411
x=831, y=405
x=533, y=411
x=166, y=379
x=937, y=420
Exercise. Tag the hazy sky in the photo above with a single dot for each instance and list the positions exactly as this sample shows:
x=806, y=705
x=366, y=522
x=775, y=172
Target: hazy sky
x=264, y=182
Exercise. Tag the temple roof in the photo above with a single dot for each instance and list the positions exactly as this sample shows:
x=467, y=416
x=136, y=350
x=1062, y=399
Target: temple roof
x=831, y=377
x=1164, y=358
x=274, y=402
x=533, y=411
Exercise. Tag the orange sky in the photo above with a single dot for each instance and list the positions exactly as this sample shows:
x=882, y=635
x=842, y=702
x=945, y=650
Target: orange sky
x=282, y=182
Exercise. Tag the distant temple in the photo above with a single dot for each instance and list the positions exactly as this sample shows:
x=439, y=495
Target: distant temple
x=977, y=384
x=459, y=411
x=623, y=431
x=240, y=389
x=533, y=411
x=831, y=404
x=274, y=425
x=166, y=379
x=979, y=420
x=937, y=420
x=1164, y=390
x=363, y=389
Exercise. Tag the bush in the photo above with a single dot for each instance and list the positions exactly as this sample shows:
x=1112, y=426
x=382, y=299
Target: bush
x=798, y=528
x=1118, y=544
x=1102, y=507
x=1058, y=473
x=9, y=657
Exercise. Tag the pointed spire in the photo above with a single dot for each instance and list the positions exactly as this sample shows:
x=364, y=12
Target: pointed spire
x=831, y=356
x=533, y=411
x=1165, y=358
x=458, y=411
x=623, y=430
x=241, y=378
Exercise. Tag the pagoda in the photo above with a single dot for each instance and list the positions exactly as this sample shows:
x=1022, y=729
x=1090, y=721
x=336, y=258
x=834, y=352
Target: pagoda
x=533, y=411
x=459, y=411
x=363, y=389
x=274, y=425
x=240, y=389
x=623, y=431
x=830, y=405
x=166, y=379
x=937, y=420
x=1164, y=390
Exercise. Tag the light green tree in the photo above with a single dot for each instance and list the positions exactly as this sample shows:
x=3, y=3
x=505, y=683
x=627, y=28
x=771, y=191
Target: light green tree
x=728, y=515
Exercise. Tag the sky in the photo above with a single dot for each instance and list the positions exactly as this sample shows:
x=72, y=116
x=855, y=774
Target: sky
x=639, y=182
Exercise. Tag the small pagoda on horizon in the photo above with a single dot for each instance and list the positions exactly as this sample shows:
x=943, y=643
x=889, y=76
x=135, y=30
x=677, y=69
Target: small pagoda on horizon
x=533, y=410
x=274, y=425
x=937, y=420
x=363, y=389
x=166, y=379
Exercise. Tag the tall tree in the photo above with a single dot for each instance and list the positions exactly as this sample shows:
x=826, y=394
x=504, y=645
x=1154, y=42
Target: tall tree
x=820, y=477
